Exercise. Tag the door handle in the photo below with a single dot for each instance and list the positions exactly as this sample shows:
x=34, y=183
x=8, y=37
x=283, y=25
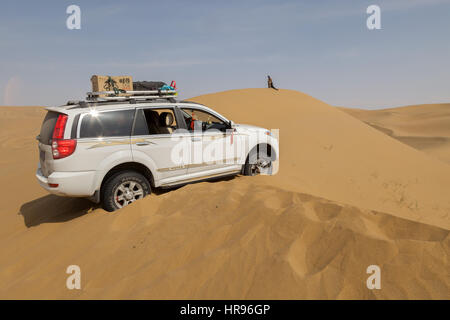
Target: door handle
x=145, y=143
x=196, y=139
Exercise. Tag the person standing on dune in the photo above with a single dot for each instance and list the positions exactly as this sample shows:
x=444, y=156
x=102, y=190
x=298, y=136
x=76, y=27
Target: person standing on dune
x=270, y=83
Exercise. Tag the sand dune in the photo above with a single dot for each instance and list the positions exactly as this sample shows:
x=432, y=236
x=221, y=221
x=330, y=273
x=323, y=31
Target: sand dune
x=327, y=153
x=425, y=127
x=347, y=196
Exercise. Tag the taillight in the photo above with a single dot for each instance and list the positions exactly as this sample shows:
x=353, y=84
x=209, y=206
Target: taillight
x=62, y=148
x=60, y=126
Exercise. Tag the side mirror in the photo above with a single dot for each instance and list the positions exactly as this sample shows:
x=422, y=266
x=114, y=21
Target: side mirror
x=231, y=123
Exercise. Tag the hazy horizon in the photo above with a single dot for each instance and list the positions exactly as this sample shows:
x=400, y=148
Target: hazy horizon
x=322, y=49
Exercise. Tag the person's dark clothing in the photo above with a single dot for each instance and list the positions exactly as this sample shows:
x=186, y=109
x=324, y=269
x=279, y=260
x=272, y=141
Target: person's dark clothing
x=270, y=83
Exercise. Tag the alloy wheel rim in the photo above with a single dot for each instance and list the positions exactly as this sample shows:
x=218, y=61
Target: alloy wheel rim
x=128, y=192
x=262, y=165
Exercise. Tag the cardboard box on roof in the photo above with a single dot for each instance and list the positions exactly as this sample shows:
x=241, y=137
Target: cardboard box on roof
x=99, y=83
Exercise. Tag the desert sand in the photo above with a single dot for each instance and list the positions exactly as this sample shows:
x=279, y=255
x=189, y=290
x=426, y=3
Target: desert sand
x=346, y=196
x=425, y=127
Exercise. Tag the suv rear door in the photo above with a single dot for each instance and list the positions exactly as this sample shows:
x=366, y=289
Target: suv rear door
x=158, y=142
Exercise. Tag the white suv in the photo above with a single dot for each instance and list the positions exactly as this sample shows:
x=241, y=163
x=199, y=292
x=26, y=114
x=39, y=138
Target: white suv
x=116, y=152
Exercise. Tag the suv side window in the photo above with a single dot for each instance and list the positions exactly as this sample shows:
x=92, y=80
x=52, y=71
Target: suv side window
x=202, y=120
x=107, y=124
x=154, y=121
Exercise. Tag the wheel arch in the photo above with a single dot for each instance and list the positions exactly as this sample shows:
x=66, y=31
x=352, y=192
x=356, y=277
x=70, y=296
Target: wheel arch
x=134, y=166
x=270, y=151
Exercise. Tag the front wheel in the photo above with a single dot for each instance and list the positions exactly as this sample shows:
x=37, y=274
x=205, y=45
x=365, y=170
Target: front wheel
x=124, y=188
x=258, y=162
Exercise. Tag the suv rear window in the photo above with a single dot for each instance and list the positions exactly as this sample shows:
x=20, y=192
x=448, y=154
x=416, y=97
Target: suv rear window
x=47, y=127
x=107, y=124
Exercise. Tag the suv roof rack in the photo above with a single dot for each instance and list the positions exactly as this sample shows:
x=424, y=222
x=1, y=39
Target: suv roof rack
x=98, y=96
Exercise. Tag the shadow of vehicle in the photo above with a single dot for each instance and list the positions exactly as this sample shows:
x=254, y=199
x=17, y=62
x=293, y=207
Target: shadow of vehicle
x=51, y=208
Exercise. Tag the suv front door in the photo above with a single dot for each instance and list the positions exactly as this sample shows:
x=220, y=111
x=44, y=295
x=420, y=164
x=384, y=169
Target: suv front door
x=211, y=141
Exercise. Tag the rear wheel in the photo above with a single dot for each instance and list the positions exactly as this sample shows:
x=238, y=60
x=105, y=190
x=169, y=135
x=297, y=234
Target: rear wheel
x=124, y=188
x=258, y=162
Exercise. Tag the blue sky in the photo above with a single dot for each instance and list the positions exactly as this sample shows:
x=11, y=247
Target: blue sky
x=322, y=48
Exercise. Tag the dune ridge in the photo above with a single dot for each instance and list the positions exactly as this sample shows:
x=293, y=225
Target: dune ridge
x=347, y=196
x=424, y=127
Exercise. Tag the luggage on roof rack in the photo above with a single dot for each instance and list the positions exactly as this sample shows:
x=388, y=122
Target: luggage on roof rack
x=148, y=85
x=107, y=83
x=122, y=88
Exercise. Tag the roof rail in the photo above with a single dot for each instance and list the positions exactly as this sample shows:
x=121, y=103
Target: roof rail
x=124, y=95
